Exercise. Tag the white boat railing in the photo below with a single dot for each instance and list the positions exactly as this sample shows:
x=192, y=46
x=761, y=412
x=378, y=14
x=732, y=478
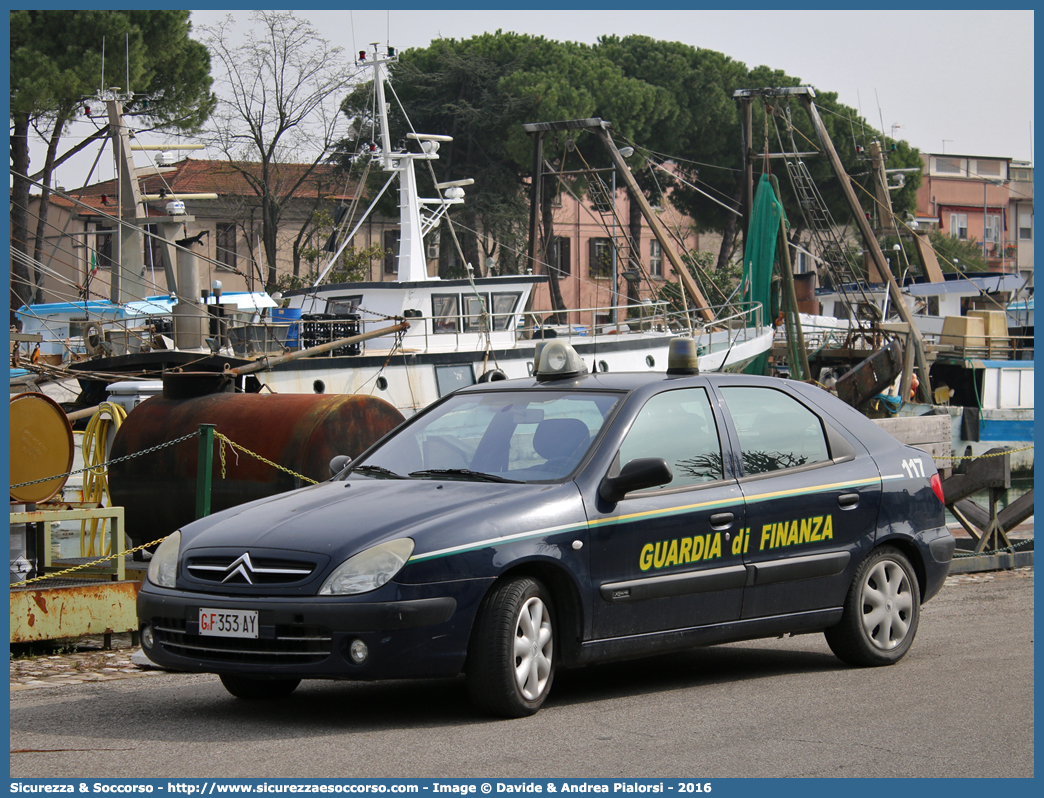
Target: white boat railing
x=981, y=347
x=731, y=326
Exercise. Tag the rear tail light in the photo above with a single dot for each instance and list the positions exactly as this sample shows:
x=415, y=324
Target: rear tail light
x=937, y=487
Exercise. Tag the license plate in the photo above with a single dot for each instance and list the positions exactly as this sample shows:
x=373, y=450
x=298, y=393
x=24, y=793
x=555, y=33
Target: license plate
x=228, y=623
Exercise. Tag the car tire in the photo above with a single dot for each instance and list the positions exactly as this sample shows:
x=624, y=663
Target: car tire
x=251, y=688
x=511, y=661
x=881, y=612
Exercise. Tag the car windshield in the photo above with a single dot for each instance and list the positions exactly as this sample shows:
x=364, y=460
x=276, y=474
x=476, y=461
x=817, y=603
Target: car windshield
x=501, y=436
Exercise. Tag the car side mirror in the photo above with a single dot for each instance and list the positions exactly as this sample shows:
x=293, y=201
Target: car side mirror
x=645, y=472
x=339, y=463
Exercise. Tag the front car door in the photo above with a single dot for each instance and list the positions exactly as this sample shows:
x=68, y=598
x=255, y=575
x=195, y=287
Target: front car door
x=812, y=497
x=664, y=558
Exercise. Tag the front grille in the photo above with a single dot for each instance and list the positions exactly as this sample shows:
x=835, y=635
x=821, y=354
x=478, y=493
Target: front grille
x=247, y=570
x=290, y=645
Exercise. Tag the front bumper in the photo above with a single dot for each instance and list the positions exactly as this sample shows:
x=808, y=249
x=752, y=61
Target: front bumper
x=409, y=630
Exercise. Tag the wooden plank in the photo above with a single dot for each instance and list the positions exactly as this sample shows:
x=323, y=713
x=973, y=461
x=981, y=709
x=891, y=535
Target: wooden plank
x=931, y=263
x=918, y=429
x=931, y=434
x=939, y=451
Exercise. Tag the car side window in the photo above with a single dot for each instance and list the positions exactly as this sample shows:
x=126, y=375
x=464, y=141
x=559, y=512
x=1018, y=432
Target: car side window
x=679, y=427
x=775, y=431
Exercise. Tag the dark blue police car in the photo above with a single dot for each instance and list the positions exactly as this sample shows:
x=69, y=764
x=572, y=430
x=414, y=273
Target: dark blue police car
x=519, y=526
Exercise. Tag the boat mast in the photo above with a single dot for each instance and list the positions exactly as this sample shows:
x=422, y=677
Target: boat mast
x=127, y=283
x=413, y=266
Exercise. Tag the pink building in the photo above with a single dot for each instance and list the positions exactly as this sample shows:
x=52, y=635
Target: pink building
x=582, y=254
x=985, y=200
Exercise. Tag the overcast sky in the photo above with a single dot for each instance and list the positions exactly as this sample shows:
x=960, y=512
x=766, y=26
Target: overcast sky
x=963, y=78
x=950, y=81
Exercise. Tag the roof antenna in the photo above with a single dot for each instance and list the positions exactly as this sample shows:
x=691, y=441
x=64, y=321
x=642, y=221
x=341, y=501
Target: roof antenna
x=101, y=87
x=127, y=35
x=728, y=352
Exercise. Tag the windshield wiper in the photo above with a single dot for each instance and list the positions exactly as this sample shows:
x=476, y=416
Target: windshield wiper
x=375, y=470
x=460, y=472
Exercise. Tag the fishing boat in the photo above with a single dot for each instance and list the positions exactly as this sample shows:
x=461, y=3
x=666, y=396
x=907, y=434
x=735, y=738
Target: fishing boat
x=409, y=340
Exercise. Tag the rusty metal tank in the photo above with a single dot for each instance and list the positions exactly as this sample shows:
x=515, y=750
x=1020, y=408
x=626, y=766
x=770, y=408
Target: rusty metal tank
x=301, y=432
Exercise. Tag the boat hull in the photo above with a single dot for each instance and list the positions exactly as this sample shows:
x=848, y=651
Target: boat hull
x=413, y=380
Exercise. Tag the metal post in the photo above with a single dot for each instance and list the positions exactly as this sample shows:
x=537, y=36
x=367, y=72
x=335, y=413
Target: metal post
x=535, y=200
x=984, y=185
x=616, y=275
x=204, y=469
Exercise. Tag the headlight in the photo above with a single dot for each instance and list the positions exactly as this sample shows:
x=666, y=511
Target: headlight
x=369, y=569
x=163, y=567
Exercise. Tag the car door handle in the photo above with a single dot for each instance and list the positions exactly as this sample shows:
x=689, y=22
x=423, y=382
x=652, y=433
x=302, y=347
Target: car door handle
x=848, y=501
x=722, y=520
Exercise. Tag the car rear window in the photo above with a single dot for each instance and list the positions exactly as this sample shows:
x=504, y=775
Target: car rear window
x=775, y=430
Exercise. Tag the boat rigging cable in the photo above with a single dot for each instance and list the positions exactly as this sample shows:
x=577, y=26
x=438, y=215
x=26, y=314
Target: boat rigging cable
x=634, y=258
x=675, y=235
x=678, y=239
x=697, y=189
x=824, y=234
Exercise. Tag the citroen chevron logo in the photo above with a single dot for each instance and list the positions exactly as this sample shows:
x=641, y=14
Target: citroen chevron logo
x=242, y=566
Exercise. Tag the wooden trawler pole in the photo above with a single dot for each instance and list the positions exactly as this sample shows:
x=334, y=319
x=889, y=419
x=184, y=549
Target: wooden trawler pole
x=654, y=223
x=914, y=339
x=601, y=128
x=887, y=224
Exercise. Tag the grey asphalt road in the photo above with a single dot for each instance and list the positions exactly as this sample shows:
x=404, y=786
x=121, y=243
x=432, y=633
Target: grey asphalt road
x=960, y=705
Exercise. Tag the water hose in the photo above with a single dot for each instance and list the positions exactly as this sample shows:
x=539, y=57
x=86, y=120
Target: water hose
x=106, y=420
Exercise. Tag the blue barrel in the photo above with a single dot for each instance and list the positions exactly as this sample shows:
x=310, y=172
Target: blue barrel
x=292, y=315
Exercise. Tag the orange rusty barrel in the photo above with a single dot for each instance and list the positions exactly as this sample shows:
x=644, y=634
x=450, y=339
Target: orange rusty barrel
x=300, y=432
x=41, y=446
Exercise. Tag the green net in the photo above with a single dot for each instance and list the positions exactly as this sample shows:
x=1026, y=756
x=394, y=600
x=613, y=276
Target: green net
x=758, y=257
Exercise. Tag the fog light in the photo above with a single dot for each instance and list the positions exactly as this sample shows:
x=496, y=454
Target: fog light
x=358, y=651
x=148, y=640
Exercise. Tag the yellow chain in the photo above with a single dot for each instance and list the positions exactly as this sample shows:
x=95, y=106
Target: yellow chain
x=87, y=564
x=980, y=456
x=234, y=445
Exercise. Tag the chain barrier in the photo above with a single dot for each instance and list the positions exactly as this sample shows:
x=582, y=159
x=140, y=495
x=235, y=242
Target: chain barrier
x=81, y=566
x=97, y=468
x=224, y=439
x=959, y=555
x=980, y=456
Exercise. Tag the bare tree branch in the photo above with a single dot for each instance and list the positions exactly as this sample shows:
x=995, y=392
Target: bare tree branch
x=279, y=90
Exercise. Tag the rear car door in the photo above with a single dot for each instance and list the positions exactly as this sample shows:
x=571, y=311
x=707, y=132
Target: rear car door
x=663, y=558
x=812, y=496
